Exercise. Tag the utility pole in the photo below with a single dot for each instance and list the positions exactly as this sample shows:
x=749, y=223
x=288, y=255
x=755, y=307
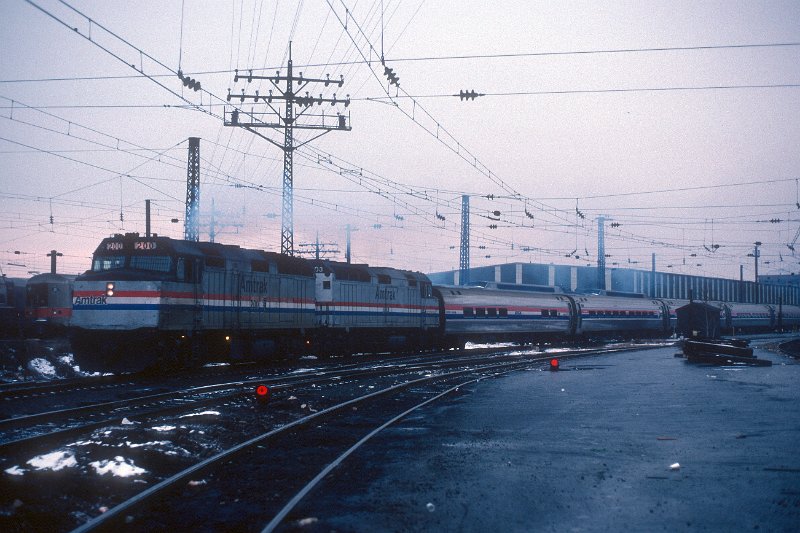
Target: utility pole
x=653, y=277
x=289, y=94
x=463, y=263
x=318, y=249
x=741, y=283
x=192, y=220
x=214, y=223
x=601, y=253
x=53, y=255
x=347, y=249
x=756, y=253
x=147, y=218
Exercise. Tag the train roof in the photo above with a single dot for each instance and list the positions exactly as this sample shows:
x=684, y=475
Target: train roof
x=51, y=278
x=364, y=272
x=515, y=287
x=156, y=245
x=619, y=294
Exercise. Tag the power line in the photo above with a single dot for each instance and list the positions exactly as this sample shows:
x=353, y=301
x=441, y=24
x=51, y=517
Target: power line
x=677, y=189
x=441, y=58
x=593, y=91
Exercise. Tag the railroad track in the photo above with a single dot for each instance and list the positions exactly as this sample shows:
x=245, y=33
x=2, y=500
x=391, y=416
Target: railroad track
x=238, y=426
x=40, y=430
x=333, y=433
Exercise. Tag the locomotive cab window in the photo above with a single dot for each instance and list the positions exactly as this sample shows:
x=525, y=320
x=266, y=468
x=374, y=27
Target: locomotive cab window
x=384, y=279
x=110, y=262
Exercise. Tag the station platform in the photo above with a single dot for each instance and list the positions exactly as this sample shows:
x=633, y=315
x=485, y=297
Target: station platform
x=636, y=441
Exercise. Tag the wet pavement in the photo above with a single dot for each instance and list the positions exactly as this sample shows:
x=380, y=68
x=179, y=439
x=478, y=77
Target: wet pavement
x=639, y=441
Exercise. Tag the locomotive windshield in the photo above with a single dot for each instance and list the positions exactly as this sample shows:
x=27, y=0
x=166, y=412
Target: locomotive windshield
x=111, y=262
x=151, y=263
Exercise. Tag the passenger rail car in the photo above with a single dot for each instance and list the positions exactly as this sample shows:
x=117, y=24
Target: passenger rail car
x=624, y=315
x=503, y=312
x=48, y=304
x=11, y=308
x=530, y=313
x=740, y=317
x=789, y=316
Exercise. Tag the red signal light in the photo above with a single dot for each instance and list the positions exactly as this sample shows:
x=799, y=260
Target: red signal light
x=553, y=364
x=262, y=393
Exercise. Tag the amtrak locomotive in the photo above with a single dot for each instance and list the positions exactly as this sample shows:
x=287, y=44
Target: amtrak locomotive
x=157, y=300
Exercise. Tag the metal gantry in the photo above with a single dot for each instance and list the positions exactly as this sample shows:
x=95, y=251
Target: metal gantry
x=601, y=253
x=192, y=220
x=287, y=120
x=464, y=255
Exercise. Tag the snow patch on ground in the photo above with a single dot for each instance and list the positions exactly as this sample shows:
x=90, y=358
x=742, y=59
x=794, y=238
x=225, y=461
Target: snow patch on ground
x=119, y=467
x=15, y=471
x=203, y=413
x=476, y=346
x=163, y=428
x=85, y=443
x=303, y=370
x=43, y=367
x=151, y=443
x=53, y=461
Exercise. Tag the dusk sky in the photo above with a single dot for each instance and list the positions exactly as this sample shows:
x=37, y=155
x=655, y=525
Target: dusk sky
x=677, y=121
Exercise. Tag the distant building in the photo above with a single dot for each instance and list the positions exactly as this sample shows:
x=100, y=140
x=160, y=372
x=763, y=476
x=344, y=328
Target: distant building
x=787, y=280
x=654, y=284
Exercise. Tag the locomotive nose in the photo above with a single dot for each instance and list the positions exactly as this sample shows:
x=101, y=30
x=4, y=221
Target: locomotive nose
x=110, y=288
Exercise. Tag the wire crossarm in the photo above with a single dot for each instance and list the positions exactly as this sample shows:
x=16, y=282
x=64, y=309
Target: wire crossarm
x=295, y=106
